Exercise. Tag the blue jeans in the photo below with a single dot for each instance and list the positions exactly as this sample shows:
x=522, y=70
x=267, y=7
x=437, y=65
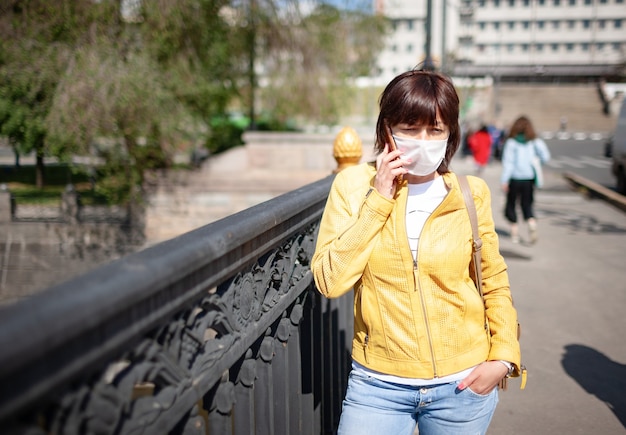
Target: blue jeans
x=375, y=407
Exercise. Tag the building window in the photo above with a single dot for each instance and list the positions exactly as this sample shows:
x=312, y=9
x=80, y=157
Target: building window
x=409, y=24
x=617, y=46
x=555, y=47
x=572, y=2
x=496, y=3
x=618, y=24
x=569, y=46
x=409, y=48
x=586, y=24
x=557, y=2
x=526, y=3
x=481, y=48
x=541, y=2
x=600, y=45
x=394, y=48
x=584, y=46
x=525, y=24
x=481, y=25
x=496, y=25
x=539, y=47
x=587, y=2
x=511, y=3
x=524, y=48
x=556, y=24
x=481, y=3
x=541, y=24
x=601, y=24
x=571, y=24
x=511, y=24
x=510, y=48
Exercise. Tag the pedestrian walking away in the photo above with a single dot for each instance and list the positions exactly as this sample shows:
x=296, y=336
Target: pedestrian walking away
x=522, y=157
x=428, y=351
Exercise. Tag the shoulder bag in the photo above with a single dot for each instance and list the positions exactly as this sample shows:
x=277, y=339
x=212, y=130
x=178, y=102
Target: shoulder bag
x=476, y=270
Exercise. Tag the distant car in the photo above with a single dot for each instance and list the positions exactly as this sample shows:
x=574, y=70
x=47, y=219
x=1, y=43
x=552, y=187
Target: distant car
x=618, y=151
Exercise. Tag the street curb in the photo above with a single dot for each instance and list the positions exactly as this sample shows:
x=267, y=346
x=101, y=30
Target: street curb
x=593, y=189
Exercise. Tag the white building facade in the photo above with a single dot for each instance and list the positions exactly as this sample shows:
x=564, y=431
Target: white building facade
x=405, y=46
x=575, y=39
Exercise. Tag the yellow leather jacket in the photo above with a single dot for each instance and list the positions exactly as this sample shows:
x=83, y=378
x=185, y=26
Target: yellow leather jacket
x=423, y=320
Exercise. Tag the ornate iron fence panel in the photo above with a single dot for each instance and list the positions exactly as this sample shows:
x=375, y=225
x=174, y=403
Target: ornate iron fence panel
x=218, y=331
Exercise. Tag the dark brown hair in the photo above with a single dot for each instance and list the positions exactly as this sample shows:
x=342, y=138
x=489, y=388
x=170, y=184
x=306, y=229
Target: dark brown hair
x=522, y=125
x=415, y=97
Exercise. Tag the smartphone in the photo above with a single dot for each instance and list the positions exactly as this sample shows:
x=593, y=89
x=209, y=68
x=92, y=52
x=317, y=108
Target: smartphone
x=392, y=145
x=389, y=139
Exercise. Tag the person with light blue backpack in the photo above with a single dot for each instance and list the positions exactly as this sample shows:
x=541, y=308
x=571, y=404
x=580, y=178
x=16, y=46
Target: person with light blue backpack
x=524, y=153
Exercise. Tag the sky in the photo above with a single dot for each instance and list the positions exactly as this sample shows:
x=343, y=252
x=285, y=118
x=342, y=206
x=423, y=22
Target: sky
x=365, y=5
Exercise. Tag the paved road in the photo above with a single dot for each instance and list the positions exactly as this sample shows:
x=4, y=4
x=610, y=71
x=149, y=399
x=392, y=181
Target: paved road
x=584, y=157
x=570, y=291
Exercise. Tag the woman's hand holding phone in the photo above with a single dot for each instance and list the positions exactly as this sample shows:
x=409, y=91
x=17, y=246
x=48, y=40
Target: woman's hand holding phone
x=390, y=167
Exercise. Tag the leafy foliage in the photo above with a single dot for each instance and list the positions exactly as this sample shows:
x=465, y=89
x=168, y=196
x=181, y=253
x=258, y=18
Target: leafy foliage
x=33, y=49
x=310, y=63
x=84, y=77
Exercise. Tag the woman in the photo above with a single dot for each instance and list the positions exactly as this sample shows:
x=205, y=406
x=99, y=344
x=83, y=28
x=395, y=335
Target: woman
x=398, y=232
x=521, y=148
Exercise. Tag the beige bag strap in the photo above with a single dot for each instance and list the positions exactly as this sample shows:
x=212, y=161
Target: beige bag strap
x=477, y=245
x=477, y=242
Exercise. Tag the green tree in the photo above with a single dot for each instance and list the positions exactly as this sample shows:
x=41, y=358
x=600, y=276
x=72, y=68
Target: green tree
x=309, y=58
x=141, y=81
x=34, y=41
x=198, y=50
x=77, y=71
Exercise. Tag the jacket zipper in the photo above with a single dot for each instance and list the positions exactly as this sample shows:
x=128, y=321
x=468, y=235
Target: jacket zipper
x=367, y=340
x=430, y=341
x=418, y=288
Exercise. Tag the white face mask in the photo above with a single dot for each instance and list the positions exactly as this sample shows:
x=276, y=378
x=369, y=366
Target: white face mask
x=426, y=155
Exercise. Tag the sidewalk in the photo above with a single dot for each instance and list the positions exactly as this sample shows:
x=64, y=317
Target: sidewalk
x=570, y=292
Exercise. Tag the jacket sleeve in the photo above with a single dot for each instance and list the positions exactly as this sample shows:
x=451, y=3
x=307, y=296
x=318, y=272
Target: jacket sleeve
x=501, y=313
x=350, y=226
x=542, y=150
x=508, y=157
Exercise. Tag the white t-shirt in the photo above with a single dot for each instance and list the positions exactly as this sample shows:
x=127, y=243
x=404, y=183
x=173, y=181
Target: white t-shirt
x=422, y=201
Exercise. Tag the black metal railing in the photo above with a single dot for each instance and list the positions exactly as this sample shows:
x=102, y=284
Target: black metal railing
x=218, y=331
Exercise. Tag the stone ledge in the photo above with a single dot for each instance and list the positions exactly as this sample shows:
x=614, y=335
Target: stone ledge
x=596, y=190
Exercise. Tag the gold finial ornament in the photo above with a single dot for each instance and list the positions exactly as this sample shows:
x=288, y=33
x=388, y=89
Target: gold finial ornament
x=347, y=148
